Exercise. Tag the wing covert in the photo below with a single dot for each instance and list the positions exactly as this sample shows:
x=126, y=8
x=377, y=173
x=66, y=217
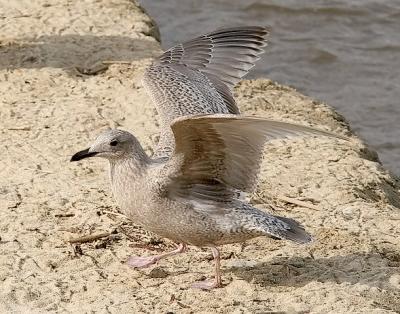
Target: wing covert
x=224, y=151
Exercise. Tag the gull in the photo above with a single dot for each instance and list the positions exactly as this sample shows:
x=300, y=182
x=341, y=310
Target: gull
x=208, y=156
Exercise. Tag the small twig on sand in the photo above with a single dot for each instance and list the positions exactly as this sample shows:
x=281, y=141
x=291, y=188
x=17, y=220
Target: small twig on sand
x=89, y=238
x=297, y=202
x=115, y=213
x=64, y=215
x=26, y=128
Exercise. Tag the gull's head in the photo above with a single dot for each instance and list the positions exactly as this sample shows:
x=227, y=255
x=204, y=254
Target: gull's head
x=111, y=144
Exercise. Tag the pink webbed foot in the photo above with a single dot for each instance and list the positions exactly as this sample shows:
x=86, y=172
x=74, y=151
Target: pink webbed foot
x=146, y=261
x=206, y=285
x=141, y=262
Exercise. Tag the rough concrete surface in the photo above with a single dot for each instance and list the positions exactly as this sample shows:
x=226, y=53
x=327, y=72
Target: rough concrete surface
x=56, y=95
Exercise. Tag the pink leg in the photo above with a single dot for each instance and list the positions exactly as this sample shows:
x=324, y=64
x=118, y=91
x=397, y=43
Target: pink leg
x=217, y=282
x=146, y=261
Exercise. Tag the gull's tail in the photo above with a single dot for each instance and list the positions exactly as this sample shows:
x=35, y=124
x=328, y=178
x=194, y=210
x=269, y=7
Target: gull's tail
x=293, y=231
x=276, y=227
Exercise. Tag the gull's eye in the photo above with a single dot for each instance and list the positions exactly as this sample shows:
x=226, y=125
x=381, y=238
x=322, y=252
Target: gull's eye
x=114, y=143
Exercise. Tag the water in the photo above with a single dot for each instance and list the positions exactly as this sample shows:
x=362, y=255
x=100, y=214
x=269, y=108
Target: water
x=343, y=52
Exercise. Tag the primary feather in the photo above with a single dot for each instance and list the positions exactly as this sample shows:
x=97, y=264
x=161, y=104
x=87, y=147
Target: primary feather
x=196, y=77
x=221, y=154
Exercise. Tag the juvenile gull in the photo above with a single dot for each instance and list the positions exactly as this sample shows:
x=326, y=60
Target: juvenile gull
x=211, y=154
x=192, y=197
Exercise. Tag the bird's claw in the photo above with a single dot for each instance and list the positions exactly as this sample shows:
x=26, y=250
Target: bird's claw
x=141, y=262
x=206, y=285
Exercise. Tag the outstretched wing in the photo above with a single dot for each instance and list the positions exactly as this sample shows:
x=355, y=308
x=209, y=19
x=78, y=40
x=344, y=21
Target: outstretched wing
x=196, y=77
x=226, y=54
x=218, y=155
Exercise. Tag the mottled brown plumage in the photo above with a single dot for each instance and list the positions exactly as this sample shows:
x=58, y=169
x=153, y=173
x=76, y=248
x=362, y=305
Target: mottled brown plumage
x=191, y=198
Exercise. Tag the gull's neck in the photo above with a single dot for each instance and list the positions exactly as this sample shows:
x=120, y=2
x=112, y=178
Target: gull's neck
x=129, y=182
x=130, y=165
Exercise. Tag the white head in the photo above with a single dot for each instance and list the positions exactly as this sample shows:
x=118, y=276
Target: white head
x=112, y=144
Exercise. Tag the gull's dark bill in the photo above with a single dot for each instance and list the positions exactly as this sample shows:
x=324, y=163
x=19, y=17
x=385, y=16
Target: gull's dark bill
x=82, y=155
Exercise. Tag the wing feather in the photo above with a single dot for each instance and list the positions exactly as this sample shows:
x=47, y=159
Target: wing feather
x=226, y=54
x=218, y=155
x=196, y=77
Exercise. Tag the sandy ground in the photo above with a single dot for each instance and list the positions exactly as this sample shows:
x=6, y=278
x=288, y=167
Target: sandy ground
x=49, y=109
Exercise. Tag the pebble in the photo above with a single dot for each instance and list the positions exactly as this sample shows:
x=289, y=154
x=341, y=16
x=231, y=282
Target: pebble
x=348, y=213
x=158, y=272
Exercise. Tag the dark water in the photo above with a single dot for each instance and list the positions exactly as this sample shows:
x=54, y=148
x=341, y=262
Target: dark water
x=346, y=53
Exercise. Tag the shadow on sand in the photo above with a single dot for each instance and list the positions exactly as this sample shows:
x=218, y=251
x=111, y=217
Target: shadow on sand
x=74, y=51
x=371, y=269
